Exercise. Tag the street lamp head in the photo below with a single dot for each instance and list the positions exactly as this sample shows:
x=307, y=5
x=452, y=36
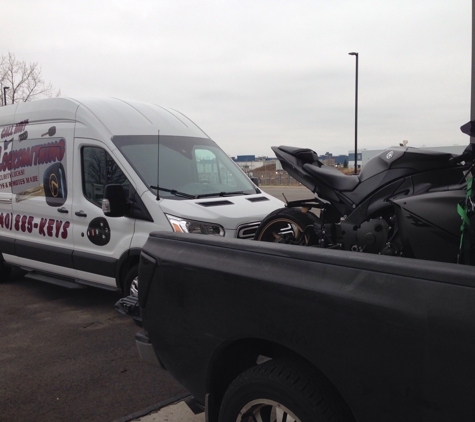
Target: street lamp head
x=5, y=95
x=353, y=54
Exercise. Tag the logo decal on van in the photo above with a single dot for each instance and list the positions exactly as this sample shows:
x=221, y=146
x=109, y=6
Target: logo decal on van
x=36, y=169
x=14, y=129
x=54, y=182
x=51, y=131
x=99, y=231
x=54, y=185
x=36, y=155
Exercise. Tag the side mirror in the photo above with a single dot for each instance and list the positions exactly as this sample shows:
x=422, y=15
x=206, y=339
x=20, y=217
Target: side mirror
x=255, y=180
x=468, y=128
x=114, y=203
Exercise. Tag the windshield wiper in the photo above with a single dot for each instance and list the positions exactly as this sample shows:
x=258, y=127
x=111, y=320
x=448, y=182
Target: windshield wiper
x=175, y=192
x=205, y=195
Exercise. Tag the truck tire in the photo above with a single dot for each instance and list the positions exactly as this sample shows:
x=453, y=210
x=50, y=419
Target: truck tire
x=130, y=287
x=287, y=225
x=282, y=391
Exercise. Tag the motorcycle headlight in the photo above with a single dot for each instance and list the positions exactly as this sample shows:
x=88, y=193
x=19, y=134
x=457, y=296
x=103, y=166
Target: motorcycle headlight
x=183, y=225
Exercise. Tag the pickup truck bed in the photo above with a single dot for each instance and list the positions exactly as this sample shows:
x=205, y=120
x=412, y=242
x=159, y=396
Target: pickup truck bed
x=388, y=338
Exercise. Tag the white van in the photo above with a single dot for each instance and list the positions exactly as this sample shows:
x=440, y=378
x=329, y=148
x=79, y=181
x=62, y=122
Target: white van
x=153, y=167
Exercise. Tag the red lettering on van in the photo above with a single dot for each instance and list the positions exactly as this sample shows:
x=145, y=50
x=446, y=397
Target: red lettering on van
x=50, y=227
x=64, y=233
x=58, y=227
x=41, y=229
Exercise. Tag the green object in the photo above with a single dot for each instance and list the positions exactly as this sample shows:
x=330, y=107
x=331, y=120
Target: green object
x=466, y=210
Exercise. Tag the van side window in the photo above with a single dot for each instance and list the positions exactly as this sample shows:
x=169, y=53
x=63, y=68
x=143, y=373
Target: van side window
x=98, y=170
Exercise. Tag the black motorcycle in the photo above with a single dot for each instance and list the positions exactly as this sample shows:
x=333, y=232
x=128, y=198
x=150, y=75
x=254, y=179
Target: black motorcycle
x=404, y=203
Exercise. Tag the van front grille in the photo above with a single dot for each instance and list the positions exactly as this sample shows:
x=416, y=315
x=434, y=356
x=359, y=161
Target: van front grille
x=247, y=231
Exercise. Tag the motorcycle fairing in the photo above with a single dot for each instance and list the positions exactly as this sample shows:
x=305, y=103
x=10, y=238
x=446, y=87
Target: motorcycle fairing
x=449, y=178
x=293, y=159
x=412, y=160
x=399, y=162
x=429, y=224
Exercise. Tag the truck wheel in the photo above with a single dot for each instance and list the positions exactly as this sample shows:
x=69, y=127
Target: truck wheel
x=287, y=225
x=281, y=391
x=131, y=282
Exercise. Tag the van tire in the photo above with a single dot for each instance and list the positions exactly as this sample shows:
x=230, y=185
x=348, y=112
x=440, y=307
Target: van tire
x=132, y=274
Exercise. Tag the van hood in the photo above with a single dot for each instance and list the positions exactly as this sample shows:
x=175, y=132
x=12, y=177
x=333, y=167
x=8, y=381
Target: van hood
x=229, y=211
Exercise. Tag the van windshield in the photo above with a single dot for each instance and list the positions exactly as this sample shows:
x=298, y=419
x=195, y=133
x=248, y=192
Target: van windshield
x=192, y=166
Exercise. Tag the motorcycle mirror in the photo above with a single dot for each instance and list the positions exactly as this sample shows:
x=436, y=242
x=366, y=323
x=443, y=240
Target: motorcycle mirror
x=468, y=128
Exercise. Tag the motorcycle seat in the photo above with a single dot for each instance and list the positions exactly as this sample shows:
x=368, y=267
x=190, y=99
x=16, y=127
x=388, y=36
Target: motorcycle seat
x=333, y=177
x=305, y=155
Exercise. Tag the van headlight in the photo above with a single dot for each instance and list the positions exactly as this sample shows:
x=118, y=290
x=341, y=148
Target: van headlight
x=183, y=225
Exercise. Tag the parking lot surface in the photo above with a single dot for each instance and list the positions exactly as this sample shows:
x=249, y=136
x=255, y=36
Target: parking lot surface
x=67, y=355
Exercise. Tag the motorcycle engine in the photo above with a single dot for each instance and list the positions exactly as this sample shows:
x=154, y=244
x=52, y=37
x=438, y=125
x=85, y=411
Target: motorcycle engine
x=371, y=236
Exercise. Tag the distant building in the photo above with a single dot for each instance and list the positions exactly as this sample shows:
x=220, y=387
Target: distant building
x=351, y=159
x=244, y=158
x=250, y=163
x=251, y=158
x=331, y=160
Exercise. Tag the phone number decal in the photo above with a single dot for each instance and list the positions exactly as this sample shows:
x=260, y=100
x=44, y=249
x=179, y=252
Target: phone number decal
x=48, y=227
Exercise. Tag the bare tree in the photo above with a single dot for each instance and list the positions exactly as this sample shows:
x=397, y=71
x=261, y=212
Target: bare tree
x=24, y=81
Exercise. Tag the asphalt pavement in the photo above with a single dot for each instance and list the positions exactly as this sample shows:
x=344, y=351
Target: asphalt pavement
x=67, y=355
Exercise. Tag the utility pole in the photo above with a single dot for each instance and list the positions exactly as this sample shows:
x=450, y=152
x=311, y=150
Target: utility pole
x=5, y=93
x=472, y=102
x=356, y=112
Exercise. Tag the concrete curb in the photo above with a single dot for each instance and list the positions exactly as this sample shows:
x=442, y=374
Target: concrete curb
x=153, y=408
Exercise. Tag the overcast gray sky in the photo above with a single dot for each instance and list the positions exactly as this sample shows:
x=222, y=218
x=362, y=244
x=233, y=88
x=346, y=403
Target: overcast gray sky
x=257, y=73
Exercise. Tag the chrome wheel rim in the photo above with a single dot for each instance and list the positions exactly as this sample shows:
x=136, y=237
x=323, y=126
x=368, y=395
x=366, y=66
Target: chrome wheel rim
x=282, y=230
x=264, y=410
x=134, y=287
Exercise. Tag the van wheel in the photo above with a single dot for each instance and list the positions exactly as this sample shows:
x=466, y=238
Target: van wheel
x=5, y=270
x=283, y=391
x=131, y=282
x=131, y=286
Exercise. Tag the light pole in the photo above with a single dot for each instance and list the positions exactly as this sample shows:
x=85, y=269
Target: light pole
x=356, y=112
x=5, y=95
